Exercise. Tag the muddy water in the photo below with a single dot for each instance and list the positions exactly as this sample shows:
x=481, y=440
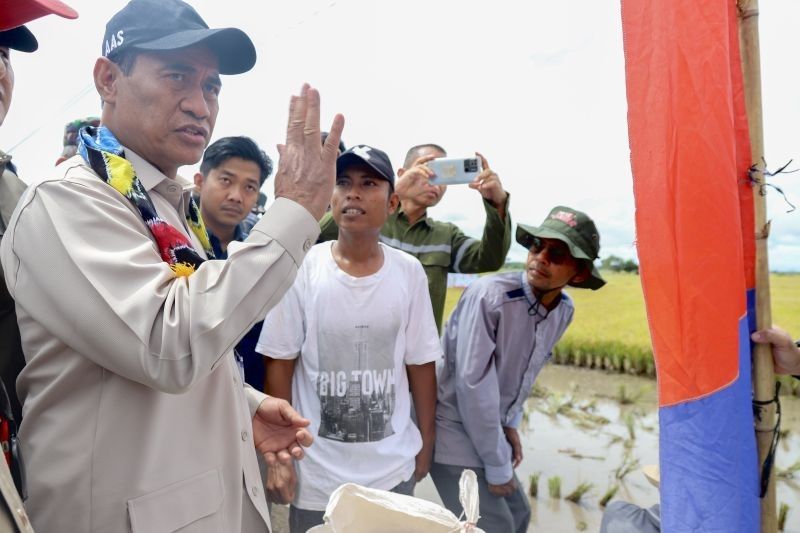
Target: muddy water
x=564, y=436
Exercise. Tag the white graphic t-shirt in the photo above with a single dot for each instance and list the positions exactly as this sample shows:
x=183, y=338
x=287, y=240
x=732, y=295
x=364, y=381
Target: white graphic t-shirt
x=353, y=337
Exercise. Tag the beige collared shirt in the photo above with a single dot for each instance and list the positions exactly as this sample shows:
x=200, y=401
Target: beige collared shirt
x=135, y=417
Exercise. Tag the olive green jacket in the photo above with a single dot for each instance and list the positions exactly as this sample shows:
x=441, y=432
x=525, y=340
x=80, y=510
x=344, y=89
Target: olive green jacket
x=442, y=247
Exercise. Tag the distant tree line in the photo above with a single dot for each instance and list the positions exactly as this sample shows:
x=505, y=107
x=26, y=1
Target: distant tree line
x=612, y=263
x=618, y=264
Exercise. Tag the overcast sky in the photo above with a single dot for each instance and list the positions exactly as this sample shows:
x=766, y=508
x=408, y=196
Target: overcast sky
x=537, y=87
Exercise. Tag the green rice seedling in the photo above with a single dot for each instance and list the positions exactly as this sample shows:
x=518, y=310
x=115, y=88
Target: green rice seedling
x=590, y=406
x=608, y=494
x=782, y=514
x=788, y=473
x=533, y=484
x=615, y=439
x=554, y=487
x=629, y=464
x=539, y=391
x=630, y=425
x=626, y=398
x=579, y=492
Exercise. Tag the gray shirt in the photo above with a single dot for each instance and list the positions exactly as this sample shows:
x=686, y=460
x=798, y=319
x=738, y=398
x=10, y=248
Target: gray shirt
x=495, y=343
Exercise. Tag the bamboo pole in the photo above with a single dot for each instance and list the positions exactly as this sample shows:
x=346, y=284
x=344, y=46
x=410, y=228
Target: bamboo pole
x=763, y=367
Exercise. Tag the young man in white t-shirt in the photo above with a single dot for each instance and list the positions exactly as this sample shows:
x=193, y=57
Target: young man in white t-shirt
x=346, y=343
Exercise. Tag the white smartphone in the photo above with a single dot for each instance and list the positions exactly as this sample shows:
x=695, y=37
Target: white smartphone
x=454, y=170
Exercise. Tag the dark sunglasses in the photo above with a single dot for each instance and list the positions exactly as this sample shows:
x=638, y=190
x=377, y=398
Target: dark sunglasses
x=556, y=253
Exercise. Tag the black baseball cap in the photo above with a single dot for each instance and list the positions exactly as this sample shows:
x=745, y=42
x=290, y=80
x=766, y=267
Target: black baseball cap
x=160, y=25
x=19, y=39
x=376, y=159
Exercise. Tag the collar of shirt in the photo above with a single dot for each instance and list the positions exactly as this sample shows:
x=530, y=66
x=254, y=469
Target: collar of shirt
x=532, y=300
x=174, y=191
x=238, y=235
x=400, y=212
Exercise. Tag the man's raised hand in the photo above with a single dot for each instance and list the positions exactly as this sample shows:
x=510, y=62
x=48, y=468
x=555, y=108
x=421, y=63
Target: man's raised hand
x=488, y=184
x=307, y=169
x=417, y=172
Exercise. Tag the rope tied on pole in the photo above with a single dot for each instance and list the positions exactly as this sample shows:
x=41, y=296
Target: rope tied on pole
x=769, y=460
x=753, y=178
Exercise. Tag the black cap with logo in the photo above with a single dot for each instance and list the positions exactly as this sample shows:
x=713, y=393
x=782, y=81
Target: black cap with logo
x=160, y=25
x=376, y=159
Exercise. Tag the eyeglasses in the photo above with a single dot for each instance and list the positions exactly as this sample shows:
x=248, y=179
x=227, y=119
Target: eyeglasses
x=557, y=251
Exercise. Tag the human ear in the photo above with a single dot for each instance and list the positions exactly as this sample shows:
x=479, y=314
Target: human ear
x=394, y=202
x=198, y=181
x=584, y=273
x=106, y=73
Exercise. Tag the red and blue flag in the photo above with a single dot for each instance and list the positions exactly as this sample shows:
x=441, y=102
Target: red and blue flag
x=690, y=157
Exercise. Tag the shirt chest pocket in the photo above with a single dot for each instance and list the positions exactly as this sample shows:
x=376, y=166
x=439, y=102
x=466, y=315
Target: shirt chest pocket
x=189, y=506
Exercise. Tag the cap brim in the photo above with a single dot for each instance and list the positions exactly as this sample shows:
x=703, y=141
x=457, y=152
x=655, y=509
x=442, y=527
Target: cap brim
x=524, y=234
x=19, y=39
x=352, y=157
x=14, y=13
x=232, y=46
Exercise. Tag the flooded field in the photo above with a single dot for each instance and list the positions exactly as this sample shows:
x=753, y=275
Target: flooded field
x=593, y=431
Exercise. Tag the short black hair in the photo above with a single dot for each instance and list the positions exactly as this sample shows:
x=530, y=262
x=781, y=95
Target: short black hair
x=242, y=147
x=413, y=153
x=125, y=60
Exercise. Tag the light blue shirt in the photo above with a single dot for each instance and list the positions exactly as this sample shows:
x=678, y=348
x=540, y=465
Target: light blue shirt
x=495, y=343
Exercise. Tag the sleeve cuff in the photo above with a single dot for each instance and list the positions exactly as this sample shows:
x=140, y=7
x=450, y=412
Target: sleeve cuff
x=515, y=422
x=254, y=398
x=266, y=352
x=291, y=225
x=498, y=475
x=490, y=209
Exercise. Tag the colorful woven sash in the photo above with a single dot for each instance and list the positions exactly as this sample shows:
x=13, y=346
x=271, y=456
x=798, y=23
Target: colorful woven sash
x=105, y=155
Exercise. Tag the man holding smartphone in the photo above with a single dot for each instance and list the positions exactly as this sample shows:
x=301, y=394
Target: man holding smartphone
x=442, y=247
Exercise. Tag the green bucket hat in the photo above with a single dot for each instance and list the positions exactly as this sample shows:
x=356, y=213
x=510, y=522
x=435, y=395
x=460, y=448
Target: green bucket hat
x=574, y=228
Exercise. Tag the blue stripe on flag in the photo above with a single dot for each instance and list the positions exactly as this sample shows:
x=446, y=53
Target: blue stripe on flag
x=709, y=462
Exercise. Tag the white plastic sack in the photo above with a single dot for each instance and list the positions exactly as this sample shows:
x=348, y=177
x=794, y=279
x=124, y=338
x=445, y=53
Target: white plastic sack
x=356, y=509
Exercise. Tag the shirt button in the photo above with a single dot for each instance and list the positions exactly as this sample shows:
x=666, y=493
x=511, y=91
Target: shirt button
x=23, y=518
x=244, y=435
x=306, y=245
x=254, y=490
x=172, y=188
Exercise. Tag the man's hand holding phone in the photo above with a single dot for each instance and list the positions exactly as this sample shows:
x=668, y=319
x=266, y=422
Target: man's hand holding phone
x=488, y=184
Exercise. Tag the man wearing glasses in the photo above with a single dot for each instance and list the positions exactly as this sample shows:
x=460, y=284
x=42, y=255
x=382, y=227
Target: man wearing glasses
x=498, y=338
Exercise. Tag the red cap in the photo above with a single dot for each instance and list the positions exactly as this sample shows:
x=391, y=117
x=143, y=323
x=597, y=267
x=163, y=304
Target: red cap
x=15, y=13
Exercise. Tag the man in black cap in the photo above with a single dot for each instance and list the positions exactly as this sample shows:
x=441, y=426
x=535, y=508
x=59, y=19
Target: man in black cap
x=345, y=345
x=498, y=338
x=136, y=416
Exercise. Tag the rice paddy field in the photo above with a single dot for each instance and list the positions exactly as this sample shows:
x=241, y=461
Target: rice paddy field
x=610, y=327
